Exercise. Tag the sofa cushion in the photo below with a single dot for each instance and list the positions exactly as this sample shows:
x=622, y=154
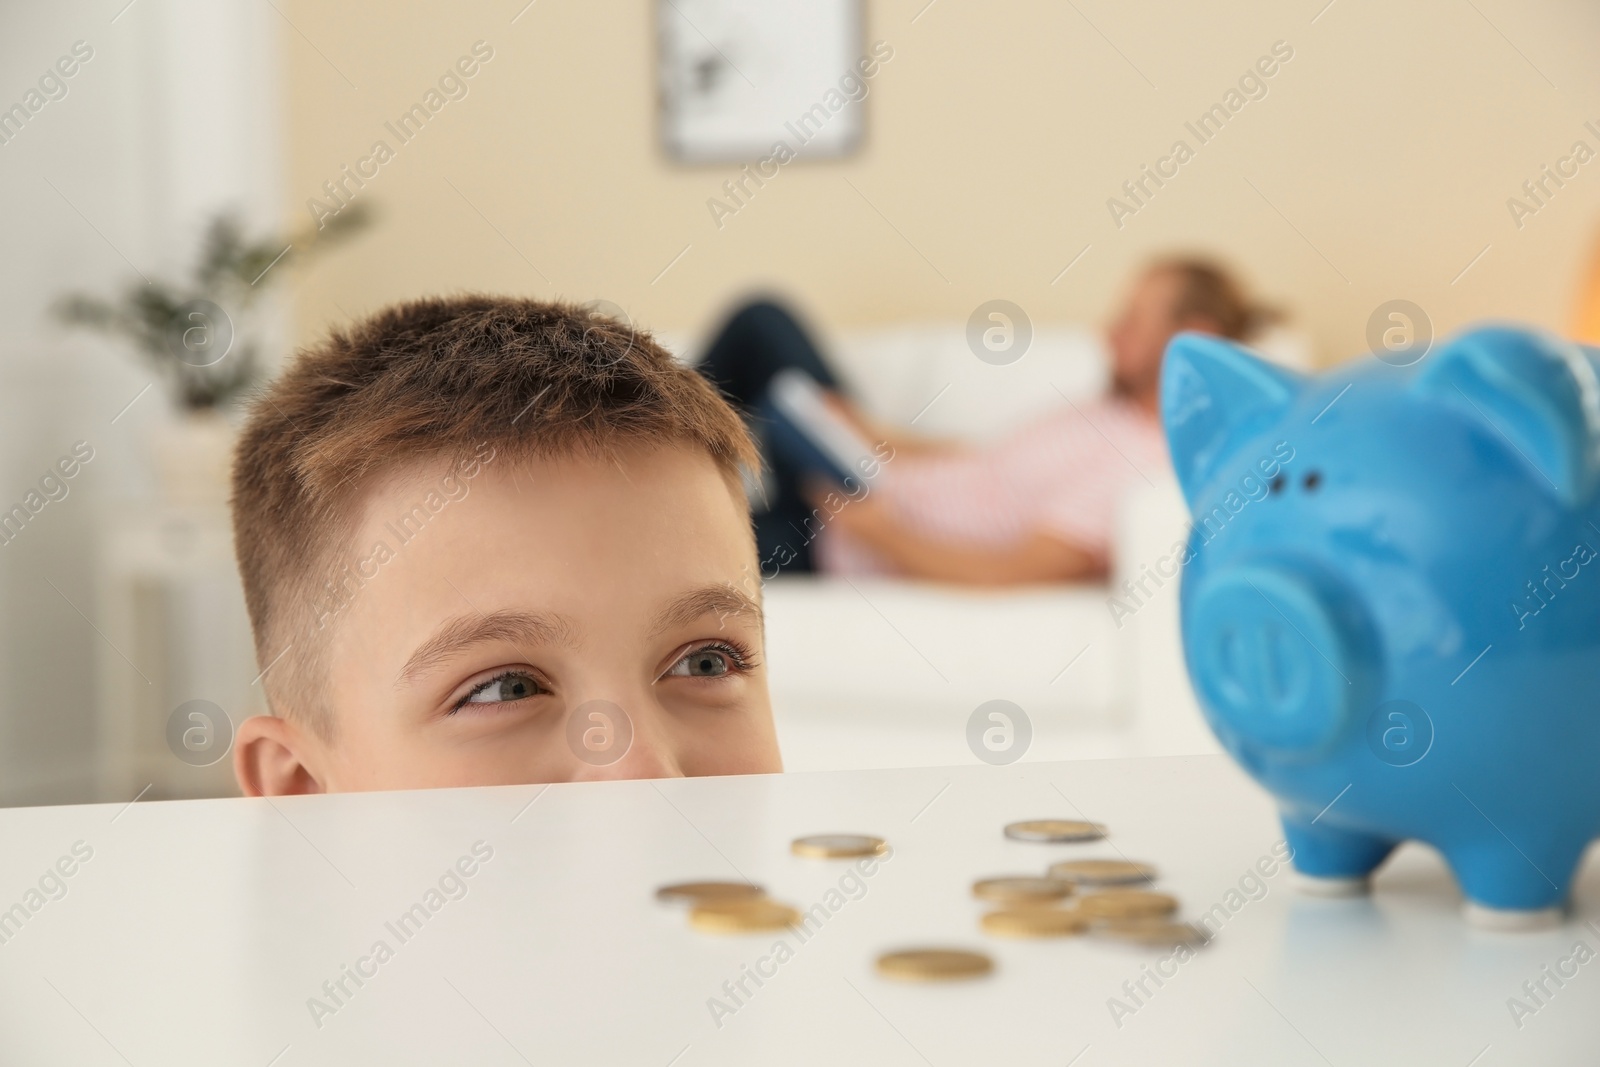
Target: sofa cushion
x=928, y=373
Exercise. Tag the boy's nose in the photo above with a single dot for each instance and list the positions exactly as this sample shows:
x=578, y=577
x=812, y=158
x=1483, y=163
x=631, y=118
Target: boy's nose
x=608, y=742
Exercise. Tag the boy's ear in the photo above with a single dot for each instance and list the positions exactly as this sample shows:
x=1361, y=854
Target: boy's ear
x=271, y=758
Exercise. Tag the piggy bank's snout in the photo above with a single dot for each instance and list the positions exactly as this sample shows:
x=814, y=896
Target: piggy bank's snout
x=1279, y=656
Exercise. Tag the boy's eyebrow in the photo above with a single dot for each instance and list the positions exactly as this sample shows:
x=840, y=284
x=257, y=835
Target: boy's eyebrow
x=464, y=631
x=719, y=600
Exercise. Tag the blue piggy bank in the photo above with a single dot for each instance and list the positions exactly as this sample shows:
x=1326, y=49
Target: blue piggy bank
x=1391, y=603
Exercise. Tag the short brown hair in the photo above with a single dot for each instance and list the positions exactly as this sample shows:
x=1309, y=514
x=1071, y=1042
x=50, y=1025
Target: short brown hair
x=1208, y=290
x=436, y=378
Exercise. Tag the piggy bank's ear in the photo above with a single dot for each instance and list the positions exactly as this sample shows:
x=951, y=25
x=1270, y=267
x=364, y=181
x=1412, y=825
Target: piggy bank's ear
x=1214, y=393
x=1538, y=392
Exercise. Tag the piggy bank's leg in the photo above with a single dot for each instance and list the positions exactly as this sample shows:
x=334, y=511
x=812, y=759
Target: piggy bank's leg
x=1512, y=887
x=1332, y=862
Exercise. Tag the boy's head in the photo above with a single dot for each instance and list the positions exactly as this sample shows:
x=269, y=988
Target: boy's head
x=493, y=541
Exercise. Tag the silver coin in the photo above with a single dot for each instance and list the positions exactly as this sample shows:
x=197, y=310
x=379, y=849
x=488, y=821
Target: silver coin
x=1055, y=830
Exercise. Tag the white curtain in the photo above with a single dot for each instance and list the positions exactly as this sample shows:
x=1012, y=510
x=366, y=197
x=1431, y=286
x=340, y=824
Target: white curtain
x=175, y=115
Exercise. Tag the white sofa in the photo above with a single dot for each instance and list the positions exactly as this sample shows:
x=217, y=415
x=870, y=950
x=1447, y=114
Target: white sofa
x=887, y=673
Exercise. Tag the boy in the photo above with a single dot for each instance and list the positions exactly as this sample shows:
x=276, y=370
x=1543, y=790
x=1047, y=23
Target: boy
x=490, y=541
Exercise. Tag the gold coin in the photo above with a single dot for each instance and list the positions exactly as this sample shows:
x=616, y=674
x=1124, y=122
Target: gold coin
x=934, y=964
x=1160, y=933
x=837, y=846
x=1103, y=872
x=742, y=916
x=1127, y=904
x=696, y=892
x=1055, y=830
x=1021, y=889
x=1035, y=922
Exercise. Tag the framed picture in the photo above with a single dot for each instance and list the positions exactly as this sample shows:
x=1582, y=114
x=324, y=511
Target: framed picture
x=739, y=76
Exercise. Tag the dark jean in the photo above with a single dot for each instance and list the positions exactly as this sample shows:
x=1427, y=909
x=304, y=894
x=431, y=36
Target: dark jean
x=760, y=340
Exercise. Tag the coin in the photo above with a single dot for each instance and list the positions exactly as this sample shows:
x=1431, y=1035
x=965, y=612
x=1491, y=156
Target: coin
x=837, y=846
x=1160, y=933
x=1035, y=922
x=1055, y=830
x=1103, y=872
x=695, y=892
x=1021, y=889
x=742, y=916
x=1127, y=904
x=934, y=964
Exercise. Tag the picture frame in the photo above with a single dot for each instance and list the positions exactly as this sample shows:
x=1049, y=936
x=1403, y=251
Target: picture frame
x=736, y=78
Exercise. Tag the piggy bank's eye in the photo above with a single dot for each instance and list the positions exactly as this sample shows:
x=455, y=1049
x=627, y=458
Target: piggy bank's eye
x=1313, y=480
x=1276, y=485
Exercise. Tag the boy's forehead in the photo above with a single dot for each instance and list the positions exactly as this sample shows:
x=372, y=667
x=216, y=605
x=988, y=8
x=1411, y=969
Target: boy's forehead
x=641, y=525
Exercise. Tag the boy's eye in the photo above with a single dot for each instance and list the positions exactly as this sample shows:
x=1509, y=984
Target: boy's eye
x=513, y=685
x=708, y=662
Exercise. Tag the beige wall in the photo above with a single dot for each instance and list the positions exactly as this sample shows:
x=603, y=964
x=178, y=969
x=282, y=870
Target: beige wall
x=1384, y=154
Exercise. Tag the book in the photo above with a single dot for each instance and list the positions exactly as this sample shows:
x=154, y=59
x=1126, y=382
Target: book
x=809, y=434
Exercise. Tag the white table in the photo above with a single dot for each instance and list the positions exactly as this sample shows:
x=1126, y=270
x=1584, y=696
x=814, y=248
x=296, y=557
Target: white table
x=198, y=930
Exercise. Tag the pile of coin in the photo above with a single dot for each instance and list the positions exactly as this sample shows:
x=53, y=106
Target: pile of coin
x=1111, y=899
x=1104, y=898
x=744, y=907
x=729, y=907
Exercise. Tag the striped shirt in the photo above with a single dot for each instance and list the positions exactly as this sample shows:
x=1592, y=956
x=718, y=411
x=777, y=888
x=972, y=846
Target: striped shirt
x=1063, y=475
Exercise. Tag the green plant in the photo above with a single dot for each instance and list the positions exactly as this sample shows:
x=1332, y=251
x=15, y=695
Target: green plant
x=188, y=330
